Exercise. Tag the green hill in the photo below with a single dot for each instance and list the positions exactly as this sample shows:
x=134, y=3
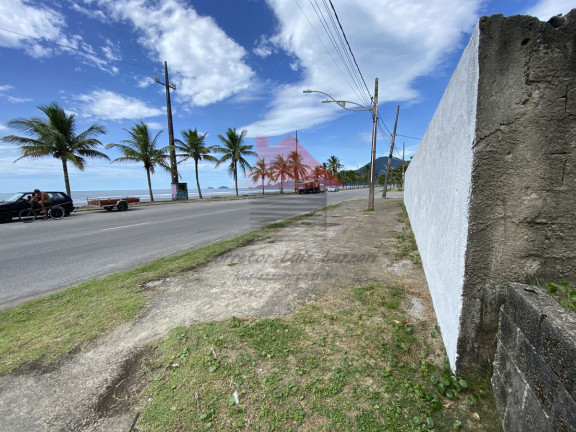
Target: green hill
x=381, y=164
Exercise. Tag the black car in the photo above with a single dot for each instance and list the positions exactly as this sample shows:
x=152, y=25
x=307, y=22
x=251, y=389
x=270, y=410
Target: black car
x=10, y=207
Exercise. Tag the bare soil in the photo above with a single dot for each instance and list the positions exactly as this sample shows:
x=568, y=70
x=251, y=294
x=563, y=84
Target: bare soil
x=98, y=387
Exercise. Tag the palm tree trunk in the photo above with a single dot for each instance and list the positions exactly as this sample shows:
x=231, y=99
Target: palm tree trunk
x=66, y=177
x=262, y=185
x=236, y=179
x=149, y=185
x=197, y=181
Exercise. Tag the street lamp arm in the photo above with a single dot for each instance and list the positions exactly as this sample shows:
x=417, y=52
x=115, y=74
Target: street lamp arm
x=341, y=103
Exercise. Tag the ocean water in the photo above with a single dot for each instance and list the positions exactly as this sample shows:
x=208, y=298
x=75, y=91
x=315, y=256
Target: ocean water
x=80, y=197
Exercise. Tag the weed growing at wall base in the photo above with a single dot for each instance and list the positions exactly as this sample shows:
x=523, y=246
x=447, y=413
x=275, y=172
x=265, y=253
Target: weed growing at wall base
x=563, y=294
x=349, y=363
x=407, y=247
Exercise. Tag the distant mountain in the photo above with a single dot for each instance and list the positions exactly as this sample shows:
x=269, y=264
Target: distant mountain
x=381, y=164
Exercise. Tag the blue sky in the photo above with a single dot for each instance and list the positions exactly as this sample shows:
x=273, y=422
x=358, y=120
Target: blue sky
x=236, y=63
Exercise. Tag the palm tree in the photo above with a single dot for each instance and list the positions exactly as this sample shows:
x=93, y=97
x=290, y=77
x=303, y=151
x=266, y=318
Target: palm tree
x=333, y=165
x=299, y=169
x=56, y=137
x=193, y=147
x=319, y=171
x=141, y=147
x=280, y=169
x=260, y=171
x=235, y=151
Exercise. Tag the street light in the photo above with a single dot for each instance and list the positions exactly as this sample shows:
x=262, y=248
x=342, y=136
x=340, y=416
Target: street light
x=374, y=111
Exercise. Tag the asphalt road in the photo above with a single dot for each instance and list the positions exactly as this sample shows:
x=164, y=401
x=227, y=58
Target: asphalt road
x=47, y=256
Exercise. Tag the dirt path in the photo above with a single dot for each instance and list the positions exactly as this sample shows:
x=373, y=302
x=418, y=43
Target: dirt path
x=337, y=248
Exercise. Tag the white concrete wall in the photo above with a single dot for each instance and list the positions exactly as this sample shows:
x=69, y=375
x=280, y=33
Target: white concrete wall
x=437, y=193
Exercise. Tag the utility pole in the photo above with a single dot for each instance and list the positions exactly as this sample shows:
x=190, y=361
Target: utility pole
x=373, y=153
x=296, y=170
x=296, y=142
x=391, y=153
x=374, y=110
x=173, y=164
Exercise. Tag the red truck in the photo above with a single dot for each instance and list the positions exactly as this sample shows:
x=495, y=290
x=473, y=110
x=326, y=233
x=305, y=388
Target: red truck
x=308, y=186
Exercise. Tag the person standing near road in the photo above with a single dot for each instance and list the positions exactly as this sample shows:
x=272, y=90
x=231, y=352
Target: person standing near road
x=43, y=200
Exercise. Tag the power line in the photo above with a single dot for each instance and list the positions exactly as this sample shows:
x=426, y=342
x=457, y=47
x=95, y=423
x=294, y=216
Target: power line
x=350, y=48
x=322, y=42
x=349, y=59
x=405, y=136
x=81, y=51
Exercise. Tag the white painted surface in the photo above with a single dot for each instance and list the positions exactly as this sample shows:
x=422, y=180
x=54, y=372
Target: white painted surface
x=437, y=193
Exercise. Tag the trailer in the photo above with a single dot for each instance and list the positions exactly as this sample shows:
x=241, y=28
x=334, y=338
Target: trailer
x=120, y=203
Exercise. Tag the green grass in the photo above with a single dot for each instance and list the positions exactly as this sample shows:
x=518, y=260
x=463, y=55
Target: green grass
x=349, y=364
x=40, y=332
x=406, y=246
x=331, y=206
x=43, y=330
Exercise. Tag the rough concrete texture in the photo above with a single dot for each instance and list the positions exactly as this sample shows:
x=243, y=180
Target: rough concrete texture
x=534, y=380
x=522, y=224
x=306, y=261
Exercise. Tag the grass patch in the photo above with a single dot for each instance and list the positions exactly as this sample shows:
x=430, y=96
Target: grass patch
x=563, y=294
x=41, y=331
x=406, y=246
x=331, y=206
x=348, y=364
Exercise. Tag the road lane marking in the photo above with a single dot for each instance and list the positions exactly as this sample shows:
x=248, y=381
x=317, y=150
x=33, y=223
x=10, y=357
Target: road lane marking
x=125, y=226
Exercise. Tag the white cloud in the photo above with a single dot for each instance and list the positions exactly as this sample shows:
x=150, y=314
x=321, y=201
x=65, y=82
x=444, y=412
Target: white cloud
x=156, y=126
x=206, y=64
x=90, y=12
x=546, y=9
x=406, y=40
x=21, y=20
x=41, y=32
x=263, y=48
x=106, y=105
x=3, y=128
x=12, y=99
x=143, y=82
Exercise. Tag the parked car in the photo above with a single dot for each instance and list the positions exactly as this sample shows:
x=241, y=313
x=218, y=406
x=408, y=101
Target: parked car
x=333, y=188
x=10, y=207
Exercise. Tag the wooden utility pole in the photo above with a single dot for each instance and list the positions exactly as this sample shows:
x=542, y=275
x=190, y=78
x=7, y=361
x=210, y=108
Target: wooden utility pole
x=373, y=154
x=173, y=164
x=391, y=153
x=296, y=142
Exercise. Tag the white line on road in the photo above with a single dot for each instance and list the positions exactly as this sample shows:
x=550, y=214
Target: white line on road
x=125, y=226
